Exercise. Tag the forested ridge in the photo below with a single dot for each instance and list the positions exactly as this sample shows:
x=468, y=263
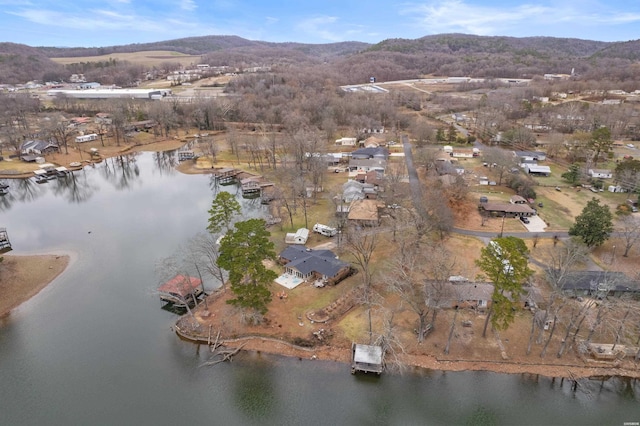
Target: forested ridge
x=443, y=54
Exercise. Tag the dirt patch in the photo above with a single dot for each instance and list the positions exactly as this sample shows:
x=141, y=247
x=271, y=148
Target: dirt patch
x=22, y=277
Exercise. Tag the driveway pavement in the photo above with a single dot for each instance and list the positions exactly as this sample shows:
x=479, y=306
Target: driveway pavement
x=535, y=224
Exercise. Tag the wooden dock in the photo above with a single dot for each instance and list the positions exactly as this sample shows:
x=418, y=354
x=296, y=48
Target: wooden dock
x=5, y=244
x=226, y=176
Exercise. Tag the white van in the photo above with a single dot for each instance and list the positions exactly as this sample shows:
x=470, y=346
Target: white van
x=325, y=230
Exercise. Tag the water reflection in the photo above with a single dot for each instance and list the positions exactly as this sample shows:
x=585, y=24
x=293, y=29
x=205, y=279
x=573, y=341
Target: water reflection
x=121, y=171
x=74, y=187
x=165, y=161
x=254, y=392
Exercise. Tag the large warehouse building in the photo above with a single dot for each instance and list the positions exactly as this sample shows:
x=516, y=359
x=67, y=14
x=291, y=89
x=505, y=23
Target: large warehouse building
x=111, y=93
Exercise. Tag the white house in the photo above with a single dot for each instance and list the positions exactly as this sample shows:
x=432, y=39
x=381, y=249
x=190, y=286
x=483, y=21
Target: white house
x=600, y=173
x=346, y=142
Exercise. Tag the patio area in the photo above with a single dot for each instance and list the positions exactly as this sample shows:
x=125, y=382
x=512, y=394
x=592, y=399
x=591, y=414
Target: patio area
x=289, y=281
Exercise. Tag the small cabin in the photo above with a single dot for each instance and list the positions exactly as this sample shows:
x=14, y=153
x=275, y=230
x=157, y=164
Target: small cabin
x=366, y=358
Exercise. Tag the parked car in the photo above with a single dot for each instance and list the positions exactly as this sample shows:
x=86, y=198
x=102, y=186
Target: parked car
x=524, y=219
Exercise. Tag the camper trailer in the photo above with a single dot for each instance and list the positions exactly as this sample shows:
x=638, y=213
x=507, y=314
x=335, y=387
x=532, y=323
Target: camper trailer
x=325, y=230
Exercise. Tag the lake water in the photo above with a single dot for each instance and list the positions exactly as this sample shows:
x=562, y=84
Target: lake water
x=95, y=347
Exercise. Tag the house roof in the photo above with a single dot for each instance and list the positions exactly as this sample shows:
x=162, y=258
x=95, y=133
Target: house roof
x=591, y=280
x=368, y=162
x=371, y=152
x=181, y=285
x=538, y=169
x=308, y=260
x=366, y=210
x=534, y=154
x=37, y=145
x=517, y=199
x=507, y=208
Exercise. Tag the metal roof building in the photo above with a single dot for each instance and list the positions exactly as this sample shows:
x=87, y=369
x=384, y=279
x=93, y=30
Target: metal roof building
x=105, y=93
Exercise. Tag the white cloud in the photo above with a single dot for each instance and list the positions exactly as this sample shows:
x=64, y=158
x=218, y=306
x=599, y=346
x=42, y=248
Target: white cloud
x=459, y=16
x=320, y=28
x=188, y=5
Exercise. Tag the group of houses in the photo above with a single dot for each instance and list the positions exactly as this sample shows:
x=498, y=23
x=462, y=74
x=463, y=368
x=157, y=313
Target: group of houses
x=529, y=162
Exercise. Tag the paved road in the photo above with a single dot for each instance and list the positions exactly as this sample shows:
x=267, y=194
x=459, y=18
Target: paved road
x=414, y=182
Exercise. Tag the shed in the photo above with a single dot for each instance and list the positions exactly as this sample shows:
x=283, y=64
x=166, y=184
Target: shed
x=299, y=237
x=535, y=169
x=366, y=358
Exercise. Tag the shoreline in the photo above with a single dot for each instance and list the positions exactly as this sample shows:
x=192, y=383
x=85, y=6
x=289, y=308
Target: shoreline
x=23, y=276
x=273, y=345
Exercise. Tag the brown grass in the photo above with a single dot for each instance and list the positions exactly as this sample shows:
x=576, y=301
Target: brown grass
x=147, y=58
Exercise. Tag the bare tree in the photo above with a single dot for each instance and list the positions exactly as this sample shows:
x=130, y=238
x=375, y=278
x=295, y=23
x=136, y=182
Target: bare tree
x=205, y=251
x=501, y=161
x=406, y=277
x=563, y=259
x=361, y=247
x=630, y=232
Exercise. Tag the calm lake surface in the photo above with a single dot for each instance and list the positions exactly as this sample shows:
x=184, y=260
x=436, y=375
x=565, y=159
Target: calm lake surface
x=95, y=347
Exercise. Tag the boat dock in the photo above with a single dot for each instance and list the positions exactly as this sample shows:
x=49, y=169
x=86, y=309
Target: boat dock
x=366, y=358
x=226, y=176
x=5, y=244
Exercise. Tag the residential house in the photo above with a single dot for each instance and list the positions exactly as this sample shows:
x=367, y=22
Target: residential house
x=372, y=142
x=32, y=149
x=600, y=173
x=600, y=284
x=506, y=209
x=372, y=177
x=364, y=212
x=366, y=165
x=310, y=264
x=380, y=153
x=346, y=142
x=465, y=153
x=476, y=295
x=352, y=190
x=377, y=130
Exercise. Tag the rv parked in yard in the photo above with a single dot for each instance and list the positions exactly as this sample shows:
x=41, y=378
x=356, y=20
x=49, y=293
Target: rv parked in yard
x=325, y=230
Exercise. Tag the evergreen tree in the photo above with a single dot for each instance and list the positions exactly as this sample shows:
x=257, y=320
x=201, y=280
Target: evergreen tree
x=224, y=209
x=505, y=261
x=594, y=225
x=242, y=252
x=572, y=175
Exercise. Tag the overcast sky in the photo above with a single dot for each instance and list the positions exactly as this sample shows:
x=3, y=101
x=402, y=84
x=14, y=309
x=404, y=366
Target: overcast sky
x=114, y=22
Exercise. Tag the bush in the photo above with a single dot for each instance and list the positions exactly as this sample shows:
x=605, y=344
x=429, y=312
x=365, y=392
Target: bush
x=522, y=185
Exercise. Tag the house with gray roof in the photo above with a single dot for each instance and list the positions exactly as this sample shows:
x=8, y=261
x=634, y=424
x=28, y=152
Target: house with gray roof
x=600, y=284
x=311, y=265
x=38, y=147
